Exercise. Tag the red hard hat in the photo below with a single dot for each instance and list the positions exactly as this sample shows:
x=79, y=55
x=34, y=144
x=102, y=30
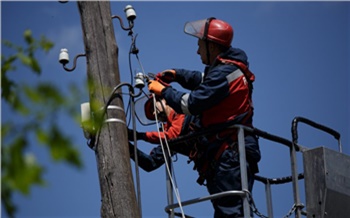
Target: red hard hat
x=149, y=107
x=211, y=29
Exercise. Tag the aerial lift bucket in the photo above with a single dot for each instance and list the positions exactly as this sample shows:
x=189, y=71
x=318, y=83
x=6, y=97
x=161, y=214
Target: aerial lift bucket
x=327, y=183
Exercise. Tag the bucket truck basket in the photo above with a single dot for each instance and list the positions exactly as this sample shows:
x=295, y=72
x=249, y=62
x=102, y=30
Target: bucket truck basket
x=327, y=183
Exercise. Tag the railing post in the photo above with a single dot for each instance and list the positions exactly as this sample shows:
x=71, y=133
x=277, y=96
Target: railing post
x=243, y=167
x=169, y=187
x=295, y=181
x=269, y=199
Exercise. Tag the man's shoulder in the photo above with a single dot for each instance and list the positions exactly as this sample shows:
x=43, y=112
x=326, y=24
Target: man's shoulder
x=221, y=70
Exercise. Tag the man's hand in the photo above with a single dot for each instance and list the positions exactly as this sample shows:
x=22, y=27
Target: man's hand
x=130, y=135
x=139, y=135
x=167, y=76
x=155, y=87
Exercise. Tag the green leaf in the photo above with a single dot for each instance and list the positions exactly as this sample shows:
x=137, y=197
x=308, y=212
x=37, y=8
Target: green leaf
x=8, y=44
x=26, y=60
x=31, y=174
x=7, y=88
x=32, y=94
x=20, y=171
x=30, y=62
x=6, y=196
x=28, y=37
x=46, y=44
x=60, y=146
x=7, y=64
x=50, y=93
x=14, y=100
x=35, y=65
x=42, y=136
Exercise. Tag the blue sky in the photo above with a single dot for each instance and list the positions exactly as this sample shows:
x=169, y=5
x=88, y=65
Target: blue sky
x=299, y=52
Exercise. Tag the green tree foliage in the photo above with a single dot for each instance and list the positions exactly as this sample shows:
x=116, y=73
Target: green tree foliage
x=37, y=107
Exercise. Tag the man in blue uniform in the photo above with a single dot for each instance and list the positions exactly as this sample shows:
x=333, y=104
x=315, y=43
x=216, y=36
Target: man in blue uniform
x=222, y=94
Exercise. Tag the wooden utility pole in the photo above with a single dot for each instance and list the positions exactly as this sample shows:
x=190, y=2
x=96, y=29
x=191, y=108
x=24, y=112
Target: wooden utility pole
x=112, y=152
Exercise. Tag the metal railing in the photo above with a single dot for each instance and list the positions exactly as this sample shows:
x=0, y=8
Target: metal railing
x=244, y=193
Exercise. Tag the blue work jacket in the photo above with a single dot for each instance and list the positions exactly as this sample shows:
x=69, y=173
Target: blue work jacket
x=218, y=95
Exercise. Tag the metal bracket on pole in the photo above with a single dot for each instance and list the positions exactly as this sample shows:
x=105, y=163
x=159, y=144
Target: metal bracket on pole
x=114, y=120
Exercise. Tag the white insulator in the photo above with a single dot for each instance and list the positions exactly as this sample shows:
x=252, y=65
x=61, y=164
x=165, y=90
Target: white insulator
x=64, y=56
x=130, y=13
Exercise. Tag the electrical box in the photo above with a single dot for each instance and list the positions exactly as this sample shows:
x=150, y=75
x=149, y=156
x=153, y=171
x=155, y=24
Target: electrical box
x=327, y=183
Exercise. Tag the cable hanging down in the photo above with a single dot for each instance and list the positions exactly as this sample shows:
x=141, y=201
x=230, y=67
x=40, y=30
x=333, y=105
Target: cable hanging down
x=167, y=149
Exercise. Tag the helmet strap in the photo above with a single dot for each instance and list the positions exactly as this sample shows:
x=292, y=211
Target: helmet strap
x=208, y=52
x=206, y=28
x=205, y=37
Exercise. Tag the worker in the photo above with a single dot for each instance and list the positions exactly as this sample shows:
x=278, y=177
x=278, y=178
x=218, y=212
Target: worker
x=222, y=94
x=174, y=125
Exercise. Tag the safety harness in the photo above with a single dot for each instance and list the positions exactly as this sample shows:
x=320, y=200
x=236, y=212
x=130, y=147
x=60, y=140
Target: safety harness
x=228, y=140
x=228, y=137
x=247, y=73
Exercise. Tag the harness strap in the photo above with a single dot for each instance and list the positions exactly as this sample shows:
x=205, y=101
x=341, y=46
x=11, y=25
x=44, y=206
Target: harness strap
x=247, y=73
x=211, y=164
x=229, y=137
x=240, y=65
x=223, y=134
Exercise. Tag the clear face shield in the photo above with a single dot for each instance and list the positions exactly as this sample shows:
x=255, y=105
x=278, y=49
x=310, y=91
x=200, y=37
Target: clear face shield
x=198, y=28
x=195, y=28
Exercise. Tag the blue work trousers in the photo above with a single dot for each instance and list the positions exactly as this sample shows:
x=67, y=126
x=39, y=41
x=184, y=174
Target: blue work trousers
x=227, y=176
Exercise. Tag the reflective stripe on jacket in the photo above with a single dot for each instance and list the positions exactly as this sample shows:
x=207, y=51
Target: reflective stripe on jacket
x=220, y=96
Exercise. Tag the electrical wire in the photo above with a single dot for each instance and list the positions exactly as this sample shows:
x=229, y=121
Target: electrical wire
x=133, y=50
x=172, y=173
x=131, y=105
x=176, y=190
x=138, y=187
x=131, y=76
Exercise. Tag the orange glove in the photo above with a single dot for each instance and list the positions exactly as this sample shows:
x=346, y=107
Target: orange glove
x=166, y=76
x=155, y=87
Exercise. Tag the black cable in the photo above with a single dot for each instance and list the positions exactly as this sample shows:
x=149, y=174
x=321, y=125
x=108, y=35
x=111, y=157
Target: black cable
x=96, y=134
